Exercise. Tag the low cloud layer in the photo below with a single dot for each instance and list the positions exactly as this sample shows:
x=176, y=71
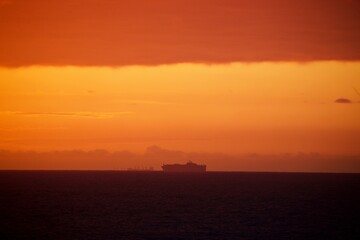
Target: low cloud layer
x=142, y=32
x=155, y=156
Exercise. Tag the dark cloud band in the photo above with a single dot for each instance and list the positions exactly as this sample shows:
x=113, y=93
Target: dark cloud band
x=142, y=32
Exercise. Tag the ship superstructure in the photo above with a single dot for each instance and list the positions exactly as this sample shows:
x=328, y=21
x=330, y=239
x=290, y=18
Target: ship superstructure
x=188, y=167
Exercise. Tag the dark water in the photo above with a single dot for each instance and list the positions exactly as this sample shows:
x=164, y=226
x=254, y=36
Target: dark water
x=154, y=205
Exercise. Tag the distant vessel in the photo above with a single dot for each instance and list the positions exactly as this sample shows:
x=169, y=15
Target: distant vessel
x=188, y=167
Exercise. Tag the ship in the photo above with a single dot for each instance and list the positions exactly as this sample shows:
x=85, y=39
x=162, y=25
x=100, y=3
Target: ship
x=189, y=167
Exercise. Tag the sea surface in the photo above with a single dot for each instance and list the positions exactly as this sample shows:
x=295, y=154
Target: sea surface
x=156, y=205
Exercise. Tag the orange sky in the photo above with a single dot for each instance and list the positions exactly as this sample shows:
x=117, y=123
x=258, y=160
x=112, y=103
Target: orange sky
x=264, y=107
x=206, y=76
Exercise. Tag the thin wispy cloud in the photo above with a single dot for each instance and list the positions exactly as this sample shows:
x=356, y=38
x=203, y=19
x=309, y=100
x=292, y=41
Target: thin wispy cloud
x=150, y=102
x=70, y=114
x=96, y=95
x=26, y=129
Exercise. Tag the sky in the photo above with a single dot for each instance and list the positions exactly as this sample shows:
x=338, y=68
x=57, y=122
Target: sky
x=208, y=77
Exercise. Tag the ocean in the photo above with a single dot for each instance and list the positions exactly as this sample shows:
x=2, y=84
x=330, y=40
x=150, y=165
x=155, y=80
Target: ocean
x=157, y=205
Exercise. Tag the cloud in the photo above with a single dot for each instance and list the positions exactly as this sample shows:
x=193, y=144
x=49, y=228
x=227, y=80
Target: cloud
x=155, y=156
x=71, y=114
x=343, y=100
x=149, y=102
x=156, y=32
x=23, y=129
x=158, y=152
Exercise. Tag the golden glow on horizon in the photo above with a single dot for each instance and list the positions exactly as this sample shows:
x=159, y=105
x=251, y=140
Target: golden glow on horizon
x=231, y=108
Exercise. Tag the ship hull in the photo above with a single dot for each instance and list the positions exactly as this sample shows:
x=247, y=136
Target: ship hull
x=177, y=168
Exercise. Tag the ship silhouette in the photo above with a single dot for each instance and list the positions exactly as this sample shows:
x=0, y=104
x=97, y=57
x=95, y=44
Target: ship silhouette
x=188, y=167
